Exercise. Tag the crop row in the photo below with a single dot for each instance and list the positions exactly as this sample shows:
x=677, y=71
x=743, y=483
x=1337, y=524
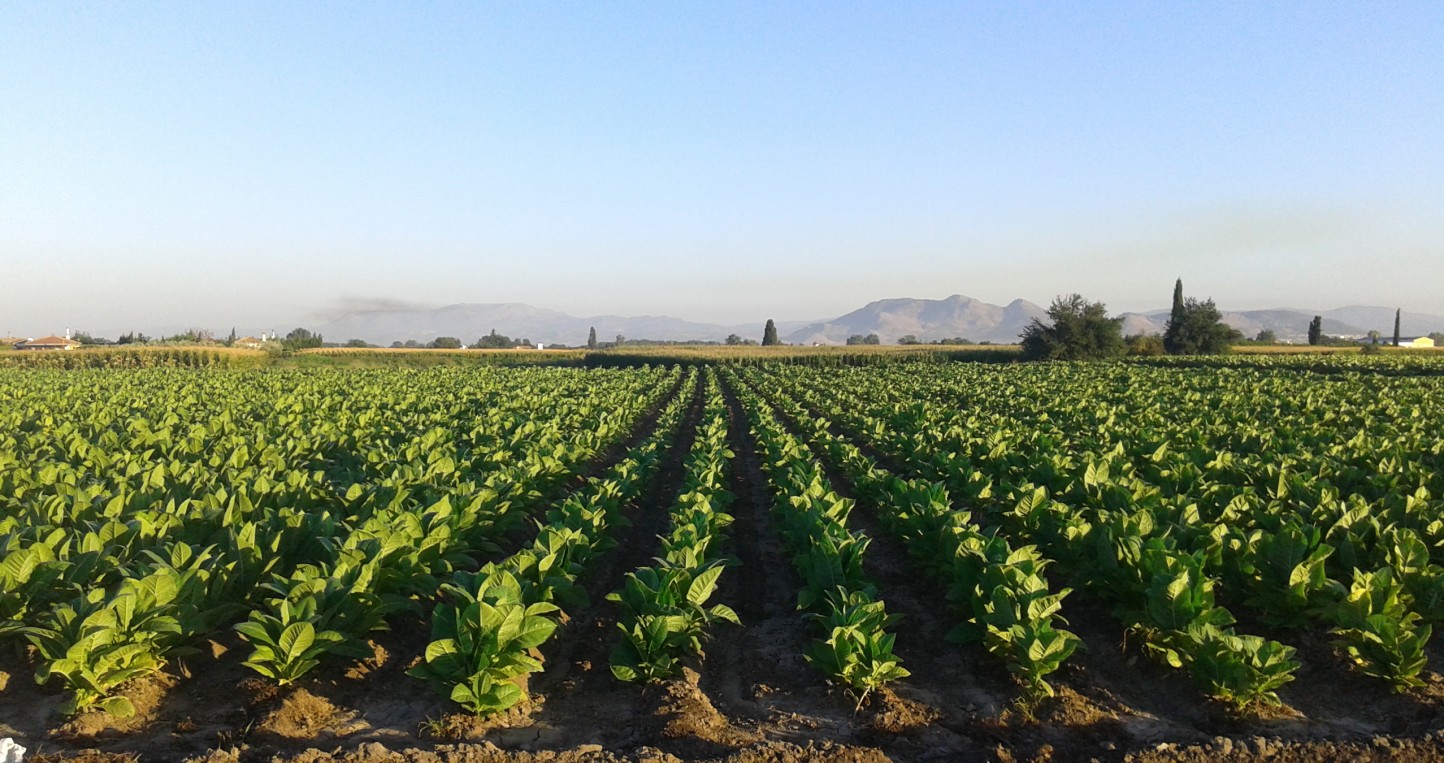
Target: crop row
x=308, y=515
x=855, y=642
x=487, y=633
x=143, y=511
x=665, y=616
x=999, y=591
x=1163, y=553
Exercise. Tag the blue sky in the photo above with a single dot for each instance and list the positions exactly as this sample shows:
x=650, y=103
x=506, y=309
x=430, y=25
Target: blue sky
x=267, y=165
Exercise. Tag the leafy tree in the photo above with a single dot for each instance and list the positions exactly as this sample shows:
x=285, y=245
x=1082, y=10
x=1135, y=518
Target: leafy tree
x=872, y=339
x=1145, y=345
x=1079, y=330
x=734, y=339
x=621, y=340
x=1316, y=329
x=492, y=341
x=908, y=339
x=1199, y=331
x=1374, y=336
x=592, y=339
x=445, y=343
x=363, y=343
x=1267, y=336
x=856, y=339
x=769, y=334
x=195, y=336
x=300, y=339
x=1196, y=328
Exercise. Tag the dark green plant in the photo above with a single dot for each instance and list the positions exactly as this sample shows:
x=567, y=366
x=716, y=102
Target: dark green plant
x=1078, y=330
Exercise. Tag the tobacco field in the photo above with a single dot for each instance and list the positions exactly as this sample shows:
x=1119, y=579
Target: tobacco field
x=1231, y=559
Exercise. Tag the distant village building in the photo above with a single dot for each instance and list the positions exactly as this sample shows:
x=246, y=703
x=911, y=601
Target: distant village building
x=48, y=343
x=249, y=343
x=1417, y=342
x=9, y=342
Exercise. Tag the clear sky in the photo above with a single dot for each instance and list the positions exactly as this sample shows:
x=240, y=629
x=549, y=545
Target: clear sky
x=265, y=165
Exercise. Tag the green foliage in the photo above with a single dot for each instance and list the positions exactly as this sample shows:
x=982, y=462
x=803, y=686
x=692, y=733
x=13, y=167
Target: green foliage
x=665, y=617
x=146, y=509
x=1158, y=490
x=1240, y=670
x=94, y=645
x=486, y=638
x=284, y=648
x=1380, y=633
x=301, y=339
x=1197, y=328
x=769, y=334
x=1145, y=345
x=1078, y=330
x=856, y=647
x=1000, y=593
x=165, y=505
x=664, y=612
x=493, y=341
x=484, y=641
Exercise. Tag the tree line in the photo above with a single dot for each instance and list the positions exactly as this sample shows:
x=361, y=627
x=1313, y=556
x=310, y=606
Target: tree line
x=1082, y=330
x=1079, y=330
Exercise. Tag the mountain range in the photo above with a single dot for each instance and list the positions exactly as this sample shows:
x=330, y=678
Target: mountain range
x=468, y=322
x=1291, y=325
x=890, y=319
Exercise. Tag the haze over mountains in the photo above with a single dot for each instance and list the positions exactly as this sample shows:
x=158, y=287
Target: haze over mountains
x=468, y=322
x=926, y=319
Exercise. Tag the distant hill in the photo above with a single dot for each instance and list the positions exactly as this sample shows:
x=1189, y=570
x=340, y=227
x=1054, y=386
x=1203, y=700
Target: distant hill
x=1291, y=325
x=1381, y=319
x=927, y=319
x=890, y=319
x=469, y=322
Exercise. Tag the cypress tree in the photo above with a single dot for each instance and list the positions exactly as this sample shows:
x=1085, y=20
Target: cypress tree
x=769, y=334
x=1397, y=312
x=592, y=339
x=1316, y=329
x=1172, y=334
